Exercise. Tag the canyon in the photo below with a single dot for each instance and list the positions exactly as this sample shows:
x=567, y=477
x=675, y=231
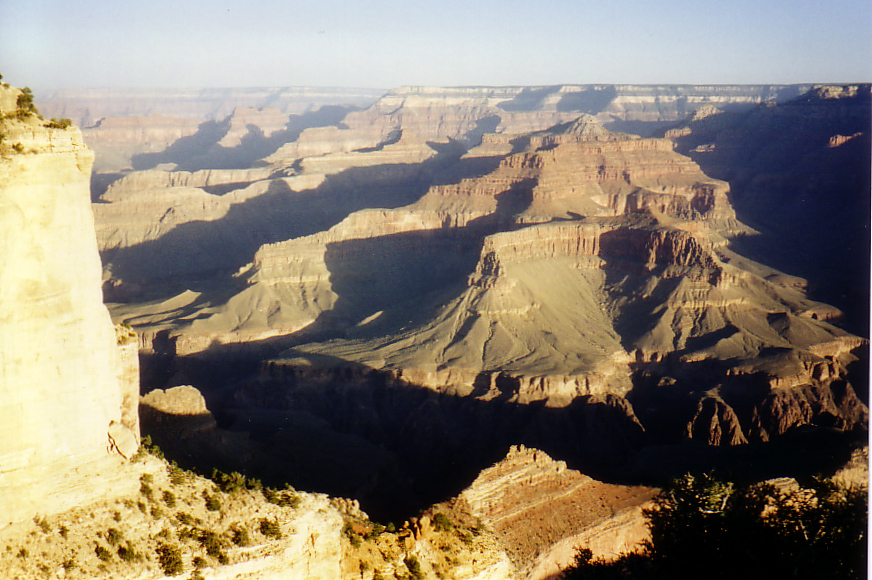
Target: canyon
x=436, y=299
x=448, y=262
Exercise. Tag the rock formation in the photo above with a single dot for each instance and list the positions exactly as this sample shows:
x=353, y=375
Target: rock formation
x=799, y=174
x=532, y=503
x=493, y=244
x=452, y=261
x=69, y=386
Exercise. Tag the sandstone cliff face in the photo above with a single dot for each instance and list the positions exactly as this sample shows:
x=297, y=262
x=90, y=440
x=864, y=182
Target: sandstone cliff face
x=67, y=392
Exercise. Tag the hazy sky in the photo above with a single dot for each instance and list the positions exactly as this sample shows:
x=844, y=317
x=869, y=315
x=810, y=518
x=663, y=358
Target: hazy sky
x=386, y=43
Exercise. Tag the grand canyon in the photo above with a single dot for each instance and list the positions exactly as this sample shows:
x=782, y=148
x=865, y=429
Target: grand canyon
x=465, y=331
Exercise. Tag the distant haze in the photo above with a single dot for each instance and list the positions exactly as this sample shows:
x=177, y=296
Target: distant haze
x=50, y=44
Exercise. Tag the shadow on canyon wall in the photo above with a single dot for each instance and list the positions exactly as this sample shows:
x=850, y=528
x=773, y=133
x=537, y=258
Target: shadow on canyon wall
x=799, y=174
x=357, y=432
x=202, y=150
x=187, y=256
x=330, y=425
x=382, y=273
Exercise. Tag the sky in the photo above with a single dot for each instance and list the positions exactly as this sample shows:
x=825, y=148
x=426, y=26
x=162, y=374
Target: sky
x=50, y=44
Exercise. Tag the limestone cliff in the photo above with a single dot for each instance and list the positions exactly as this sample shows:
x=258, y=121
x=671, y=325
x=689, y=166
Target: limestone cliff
x=68, y=383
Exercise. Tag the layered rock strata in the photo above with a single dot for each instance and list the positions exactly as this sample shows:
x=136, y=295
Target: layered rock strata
x=615, y=244
x=533, y=502
x=69, y=384
x=799, y=174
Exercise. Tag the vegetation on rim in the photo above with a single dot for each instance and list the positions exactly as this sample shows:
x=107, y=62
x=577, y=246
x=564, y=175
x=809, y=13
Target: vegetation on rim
x=704, y=527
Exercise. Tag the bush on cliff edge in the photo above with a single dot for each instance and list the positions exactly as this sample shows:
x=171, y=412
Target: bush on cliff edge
x=702, y=527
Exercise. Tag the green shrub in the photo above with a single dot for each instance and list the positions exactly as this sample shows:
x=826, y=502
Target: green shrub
x=169, y=498
x=178, y=476
x=156, y=513
x=23, y=553
x=441, y=523
x=147, y=446
x=113, y=536
x=42, y=524
x=69, y=564
x=270, y=528
x=375, y=530
x=210, y=541
x=128, y=553
x=230, y=482
x=213, y=504
x=63, y=531
x=240, y=535
x=411, y=562
x=185, y=518
x=170, y=559
x=103, y=553
x=199, y=562
x=59, y=123
x=703, y=527
x=24, y=103
x=287, y=498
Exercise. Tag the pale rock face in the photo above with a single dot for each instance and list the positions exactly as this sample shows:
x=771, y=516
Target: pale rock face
x=64, y=381
x=313, y=551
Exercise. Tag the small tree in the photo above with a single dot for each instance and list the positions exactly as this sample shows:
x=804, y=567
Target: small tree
x=24, y=103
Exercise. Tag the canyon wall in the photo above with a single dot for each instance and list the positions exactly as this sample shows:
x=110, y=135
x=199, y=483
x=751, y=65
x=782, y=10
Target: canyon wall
x=69, y=385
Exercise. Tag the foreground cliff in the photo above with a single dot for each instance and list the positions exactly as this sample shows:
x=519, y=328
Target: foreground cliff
x=68, y=382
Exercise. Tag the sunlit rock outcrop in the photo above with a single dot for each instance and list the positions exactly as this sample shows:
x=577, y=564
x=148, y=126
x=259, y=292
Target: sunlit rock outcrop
x=68, y=382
